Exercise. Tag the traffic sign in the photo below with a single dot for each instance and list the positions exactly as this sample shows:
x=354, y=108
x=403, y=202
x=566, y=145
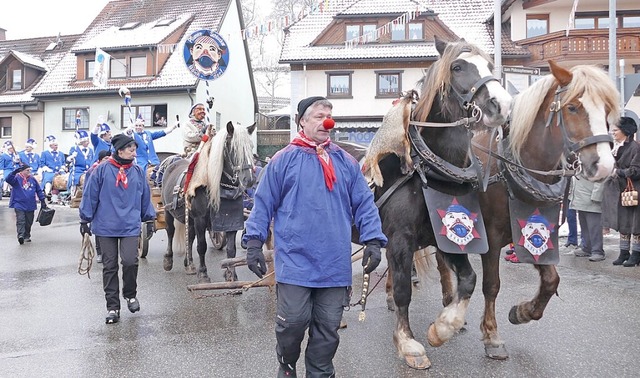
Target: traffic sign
x=521, y=70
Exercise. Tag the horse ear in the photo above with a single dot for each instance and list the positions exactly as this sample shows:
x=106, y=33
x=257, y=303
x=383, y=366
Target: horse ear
x=563, y=75
x=440, y=45
x=230, y=128
x=252, y=128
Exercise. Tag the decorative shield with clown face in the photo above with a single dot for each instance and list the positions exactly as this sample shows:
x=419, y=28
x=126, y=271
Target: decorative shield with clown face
x=206, y=54
x=535, y=232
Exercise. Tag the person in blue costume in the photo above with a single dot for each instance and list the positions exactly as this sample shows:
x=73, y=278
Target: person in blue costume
x=10, y=161
x=52, y=164
x=115, y=200
x=100, y=139
x=146, y=154
x=82, y=157
x=314, y=192
x=30, y=157
x=24, y=191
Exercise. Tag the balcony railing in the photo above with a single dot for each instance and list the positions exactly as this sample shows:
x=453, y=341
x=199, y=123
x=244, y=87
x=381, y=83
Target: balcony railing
x=580, y=45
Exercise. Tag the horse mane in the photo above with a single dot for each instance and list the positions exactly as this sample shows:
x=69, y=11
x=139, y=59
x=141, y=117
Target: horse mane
x=438, y=76
x=239, y=149
x=588, y=81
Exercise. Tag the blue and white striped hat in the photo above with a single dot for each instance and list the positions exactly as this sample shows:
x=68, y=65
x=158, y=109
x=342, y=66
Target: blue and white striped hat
x=50, y=139
x=31, y=143
x=81, y=136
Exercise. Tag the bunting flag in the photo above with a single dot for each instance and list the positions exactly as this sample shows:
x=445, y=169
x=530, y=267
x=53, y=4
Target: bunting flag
x=572, y=17
x=101, y=68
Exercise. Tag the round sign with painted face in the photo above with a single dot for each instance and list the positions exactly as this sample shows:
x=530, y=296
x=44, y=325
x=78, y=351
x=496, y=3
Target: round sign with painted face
x=206, y=54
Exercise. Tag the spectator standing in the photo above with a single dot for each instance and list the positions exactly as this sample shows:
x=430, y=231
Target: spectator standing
x=312, y=176
x=624, y=219
x=81, y=156
x=52, y=164
x=586, y=199
x=116, y=200
x=10, y=161
x=102, y=157
x=25, y=188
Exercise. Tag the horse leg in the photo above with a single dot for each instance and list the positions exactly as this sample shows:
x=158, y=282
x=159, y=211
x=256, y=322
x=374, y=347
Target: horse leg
x=493, y=345
x=171, y=229
x=400, y=261
x=445, y=280
x=452, y=318
x=534, y=309
x=200, y=231
x=389, y=290
x=230, y=273
x=188, y=256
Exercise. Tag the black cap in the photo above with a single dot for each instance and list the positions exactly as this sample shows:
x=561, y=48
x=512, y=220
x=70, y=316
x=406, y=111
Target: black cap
x=303, y=105
x=120, y=141
x=628, y=126
x=23, y=167
x=103, y=153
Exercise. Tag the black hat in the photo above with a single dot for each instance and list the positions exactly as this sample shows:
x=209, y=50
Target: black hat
x=303, y=105
x=103, y=153
x=23, y=167
x=628, y=126
x=120, y=141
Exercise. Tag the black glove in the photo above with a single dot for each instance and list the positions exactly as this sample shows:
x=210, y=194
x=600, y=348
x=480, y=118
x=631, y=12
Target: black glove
x=85, y=229
x=255, y=257
x=372, y=256
x=43, y=204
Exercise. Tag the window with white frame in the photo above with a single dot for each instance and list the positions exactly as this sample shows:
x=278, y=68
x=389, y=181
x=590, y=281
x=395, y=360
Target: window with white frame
x=16, y=80
x=339, y=84
x=75, y=116
x=138, y=66
x=5, y=127
x=148, y=113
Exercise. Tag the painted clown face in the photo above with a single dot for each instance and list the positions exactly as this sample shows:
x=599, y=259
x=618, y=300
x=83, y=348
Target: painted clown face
x=458, y=225
x=536, y=237
x=206, y=54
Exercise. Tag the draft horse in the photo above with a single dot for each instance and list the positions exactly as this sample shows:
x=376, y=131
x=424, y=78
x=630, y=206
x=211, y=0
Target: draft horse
x=458, y=85
x=224, y=170
x=558, y=125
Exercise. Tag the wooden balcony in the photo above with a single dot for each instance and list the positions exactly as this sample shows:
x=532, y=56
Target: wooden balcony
x=582, y=45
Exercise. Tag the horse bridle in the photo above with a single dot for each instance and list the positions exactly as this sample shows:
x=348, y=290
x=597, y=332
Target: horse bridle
x=571, y=149
x=233, y=177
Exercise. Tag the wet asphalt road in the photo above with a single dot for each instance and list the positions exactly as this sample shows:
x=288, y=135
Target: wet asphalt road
x=53, y=320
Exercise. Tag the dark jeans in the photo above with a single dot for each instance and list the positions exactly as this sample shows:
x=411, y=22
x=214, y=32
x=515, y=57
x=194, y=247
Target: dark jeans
x=24, y=221
x=127, y=248
x=572, y=222
x=591, y=226
x=317, y=309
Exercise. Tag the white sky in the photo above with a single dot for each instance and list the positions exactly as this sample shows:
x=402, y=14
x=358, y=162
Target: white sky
x=45, y=18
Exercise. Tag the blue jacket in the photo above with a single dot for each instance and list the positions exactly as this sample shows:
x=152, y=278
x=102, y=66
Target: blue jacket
x=32, y=159
x=8, y=163
x=51, y=165
x=98, y=145
x=312, y=225
x=113, y=210
x=146, y=152
x=81, y=163
x=23, y=195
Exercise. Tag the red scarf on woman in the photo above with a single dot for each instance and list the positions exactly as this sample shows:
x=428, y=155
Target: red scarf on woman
x=121, y=176
x=325, y=160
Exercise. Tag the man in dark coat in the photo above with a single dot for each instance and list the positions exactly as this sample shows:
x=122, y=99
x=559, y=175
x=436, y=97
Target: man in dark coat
x=24, y=190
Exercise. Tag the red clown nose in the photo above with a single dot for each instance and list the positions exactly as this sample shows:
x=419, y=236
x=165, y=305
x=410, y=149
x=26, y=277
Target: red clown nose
x=328, y=124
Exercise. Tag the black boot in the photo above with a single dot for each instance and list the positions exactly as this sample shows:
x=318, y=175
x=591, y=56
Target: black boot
x=622, y=257
x=633, y=260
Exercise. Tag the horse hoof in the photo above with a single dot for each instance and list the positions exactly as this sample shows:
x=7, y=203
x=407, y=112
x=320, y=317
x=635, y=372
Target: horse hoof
x=496, y=352
x=433, y=338
x=513, y=316
x=391, y=306
x=167, y=265
x=191, y=270
x=418, y=362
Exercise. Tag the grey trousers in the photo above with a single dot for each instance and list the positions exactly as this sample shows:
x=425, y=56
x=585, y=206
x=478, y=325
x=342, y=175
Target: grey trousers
x=591, y=230
x=317, y=309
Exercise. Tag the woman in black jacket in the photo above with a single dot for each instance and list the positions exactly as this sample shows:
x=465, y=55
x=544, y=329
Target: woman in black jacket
x=624, y=219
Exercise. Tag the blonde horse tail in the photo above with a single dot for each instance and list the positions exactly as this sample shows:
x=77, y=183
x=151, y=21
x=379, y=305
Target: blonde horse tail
x=179, y=243
x=423, y=260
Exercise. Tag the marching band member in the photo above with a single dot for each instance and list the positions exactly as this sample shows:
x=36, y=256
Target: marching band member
x=81, y=155
x=146, y=153
x=10, y=161
x=100, y=139
x=30, y=157
x=51, y=164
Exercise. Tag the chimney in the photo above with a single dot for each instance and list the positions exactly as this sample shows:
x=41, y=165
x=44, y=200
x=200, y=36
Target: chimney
x=3, y=34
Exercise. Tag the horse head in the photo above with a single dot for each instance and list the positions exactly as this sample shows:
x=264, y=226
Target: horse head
x=571, y=110
x=230, y=164
x=461, y=82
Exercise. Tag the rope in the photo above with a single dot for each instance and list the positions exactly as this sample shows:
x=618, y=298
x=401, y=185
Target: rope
x=87, y=253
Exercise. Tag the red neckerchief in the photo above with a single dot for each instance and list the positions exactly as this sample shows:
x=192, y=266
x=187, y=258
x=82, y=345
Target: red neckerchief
x=121, y=176
x=325, y=161
x=25, y=180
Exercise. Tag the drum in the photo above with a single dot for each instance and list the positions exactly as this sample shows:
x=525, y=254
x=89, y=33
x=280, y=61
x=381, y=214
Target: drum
x=82, y=180
x=60, y=182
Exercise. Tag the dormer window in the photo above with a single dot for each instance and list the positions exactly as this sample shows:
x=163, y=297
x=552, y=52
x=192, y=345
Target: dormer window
x=407, y=32
x=16, y=80
x=362, y=33
x=165, y=22
x=130, y=25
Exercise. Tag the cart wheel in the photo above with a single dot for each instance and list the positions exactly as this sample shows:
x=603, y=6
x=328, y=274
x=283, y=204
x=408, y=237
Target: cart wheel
x=218, y=239
x=144, y=242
